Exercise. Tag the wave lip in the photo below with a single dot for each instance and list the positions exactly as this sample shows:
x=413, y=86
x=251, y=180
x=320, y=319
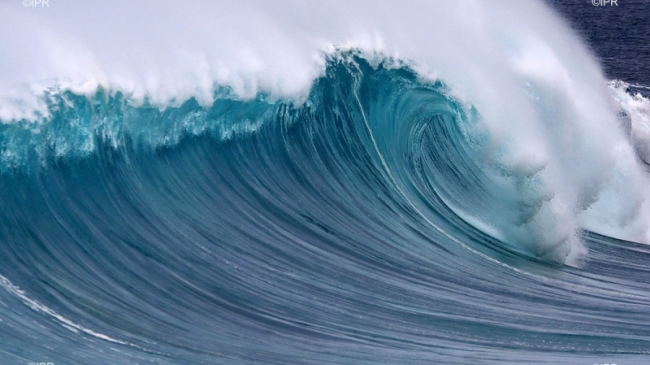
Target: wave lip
x=257, y=47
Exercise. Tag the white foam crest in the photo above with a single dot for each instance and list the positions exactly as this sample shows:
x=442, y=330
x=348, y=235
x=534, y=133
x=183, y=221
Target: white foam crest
x=636, y=115
x=171, y=51
x=623, y=208
x=542, y=97
x=66, y=323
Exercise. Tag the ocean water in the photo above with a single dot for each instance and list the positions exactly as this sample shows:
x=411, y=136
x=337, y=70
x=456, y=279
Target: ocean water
x=349, y=182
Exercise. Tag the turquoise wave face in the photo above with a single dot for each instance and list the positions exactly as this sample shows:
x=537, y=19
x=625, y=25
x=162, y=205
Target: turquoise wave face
x=367, y=224
x=417, y=139
x=425, y=145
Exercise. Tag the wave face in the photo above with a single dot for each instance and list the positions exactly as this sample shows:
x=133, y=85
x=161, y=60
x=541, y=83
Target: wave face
x=257, y=231
x=396, y=210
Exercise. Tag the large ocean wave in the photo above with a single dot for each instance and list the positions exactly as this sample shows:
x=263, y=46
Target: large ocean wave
x=387, y=195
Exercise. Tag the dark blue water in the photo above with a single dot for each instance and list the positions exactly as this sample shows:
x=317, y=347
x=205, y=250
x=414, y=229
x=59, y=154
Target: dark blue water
x=348, y=229
x=617, y=34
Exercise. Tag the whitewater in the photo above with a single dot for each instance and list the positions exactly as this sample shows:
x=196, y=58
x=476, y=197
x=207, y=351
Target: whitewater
x=305, y=183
